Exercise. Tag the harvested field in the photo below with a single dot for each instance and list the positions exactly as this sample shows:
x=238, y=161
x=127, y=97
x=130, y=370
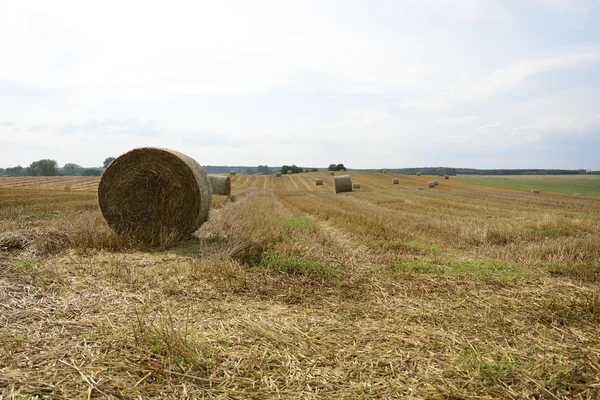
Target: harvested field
x=290, y=291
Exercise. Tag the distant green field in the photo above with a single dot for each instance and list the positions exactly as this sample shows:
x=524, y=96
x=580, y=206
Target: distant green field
x=568, y=185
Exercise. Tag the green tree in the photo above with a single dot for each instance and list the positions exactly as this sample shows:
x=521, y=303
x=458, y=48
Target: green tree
x=43, y=167
x=250, y=171
x=263, y=169
x=336, y=167
x=107, y=161
x=314, y=170
x=72, y=169
x=15, y=171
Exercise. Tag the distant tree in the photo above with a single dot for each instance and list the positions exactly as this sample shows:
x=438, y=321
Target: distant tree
x=15, y=171
x=91, y=172
x=263, y=169
x=336, y=167
x=1, y=171
x=43, y=167
x=107, y=161
x=314, y=170
x=295, y=169
x=72, y=169
x=250, y=171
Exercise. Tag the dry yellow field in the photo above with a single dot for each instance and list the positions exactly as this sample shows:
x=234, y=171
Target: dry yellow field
x=462, y=291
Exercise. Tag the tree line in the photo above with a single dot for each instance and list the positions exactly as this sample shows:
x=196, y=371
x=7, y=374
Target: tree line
x=48, y=167
x=474, y=171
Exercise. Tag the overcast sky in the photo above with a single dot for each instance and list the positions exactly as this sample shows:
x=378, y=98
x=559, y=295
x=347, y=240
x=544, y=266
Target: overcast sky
x=400, y=83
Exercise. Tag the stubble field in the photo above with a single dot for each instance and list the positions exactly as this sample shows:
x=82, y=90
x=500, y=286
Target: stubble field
x=290, y=291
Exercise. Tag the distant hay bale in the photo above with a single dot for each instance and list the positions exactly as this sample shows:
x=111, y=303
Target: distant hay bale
x=576, y=194
x=446, y=177
x=319, y=182
x=278, y=174
x=232, y=173
x=289, y=172
x=421, y=188
x=431, y=184
x=534, y=191
x=395, y=181
x=154, y=196
x=418, y=174
x=220, y=184
x=355, y=186
x=385, y=171
x=332, y=173
x=342, y=183
x=436, y=183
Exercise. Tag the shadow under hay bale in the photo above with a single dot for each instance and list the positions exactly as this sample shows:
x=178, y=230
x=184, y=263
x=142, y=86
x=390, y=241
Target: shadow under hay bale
x=319, y=182
x=342, y=183
x=355, y=186
x=154, y=196
x=220, y=184
x=395, y=181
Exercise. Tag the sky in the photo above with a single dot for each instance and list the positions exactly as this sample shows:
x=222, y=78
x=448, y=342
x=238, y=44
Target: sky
x=370, y=84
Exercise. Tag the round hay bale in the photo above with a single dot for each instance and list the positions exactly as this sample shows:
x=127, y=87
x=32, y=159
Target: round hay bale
x=420, y=188
x=154, y=196
x=289, y=172
x=534, y=191
x=385, y=171
x=576, y=194
x=278, y=174
x=436, y=183
x=342, y=183
x=332, y=173
x=220, y=184
x=355, y=186
x=232, y=173
x=446, y=177
x=395, y=181
x=319, y=182
x=418, y=174
x=431, y=184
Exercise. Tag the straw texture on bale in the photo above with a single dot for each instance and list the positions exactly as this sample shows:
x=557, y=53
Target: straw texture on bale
x=446, y=177
x=431, y=184
x=395, y=181
x=342, y=183
x=232, y=173
x=534, y=191
x=278, y=174
x=220, y=184
x=154, y=195
x=436, y=183
x=355, y=186
x=289, y=172
x=319, y=182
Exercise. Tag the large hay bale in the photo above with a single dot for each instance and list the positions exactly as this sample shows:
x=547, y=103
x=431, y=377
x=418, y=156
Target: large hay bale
x=355, y=186
x=395, y=181
x=534, y=191
x=319, y=182
x=278, y=174
x=342, y=183
x=154, y=196
x=220, y=184
x=431, y=184
x=232, y=173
